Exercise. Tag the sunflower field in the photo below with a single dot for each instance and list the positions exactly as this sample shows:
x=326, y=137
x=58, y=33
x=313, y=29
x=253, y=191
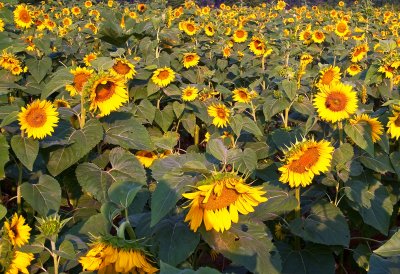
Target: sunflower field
x=151, y=138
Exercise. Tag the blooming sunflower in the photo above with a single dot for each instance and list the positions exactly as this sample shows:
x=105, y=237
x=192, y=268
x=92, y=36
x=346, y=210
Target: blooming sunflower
x=359, y=52
x=61, y=103
x=257, y=46
x=243, y=95
x=107, y=93
x=305, y=159
x=387, y=70
x=342, y=28
x=218, y=200
x=188, y=27
x=17, y=231
x=329, y=75
x=240, y=35
x=394, y=125
x=354, y=69
x=306, y=36
x=375, y=125
x=190, y=59
x=335, y=102
x=22, y=16
x=209, y=29
x=89, y=58
x=162, y=77
x=1, y=25
x=19, y=263
x=189, y=93
x=220, y=113
x=81, y=76
x=318, y=37
x=146, y=158
x=306, y=59
x=38, y=119
x=112, y=256
x=123, y=68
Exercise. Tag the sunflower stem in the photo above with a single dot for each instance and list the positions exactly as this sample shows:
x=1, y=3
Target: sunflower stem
x=19, y=197
x=82, y=119
x=340, y=127
x=55, y=256
x=286, y=118
x=196, y=135
x=129, y=228
x=297, y=215
x=253, y=111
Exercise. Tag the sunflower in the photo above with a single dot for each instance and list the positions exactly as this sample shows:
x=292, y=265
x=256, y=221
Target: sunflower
x=23, y=16
x=329, y=75
x=280, y=5
x=209, y=29
x=359, y=52
x=335, y=102
x=112, y=256
x=257, y=46
x=341, y=28
x=189, y=27
x=394, y=125
x=76, y=11
x=190, y=59
x=243, y=95
x=226, y=51
x=146, y=158
x=38, y=119
x=375, y=125
x=318, y=37
x=306, y=36
x=220, y=113
x=305, y=159
x=17, y=231
x=107, y=93
x=306, y=59
x=141, y=7
x=19, y=263
x=218, y=200
x=387, y=70
x=240, y=35
x=88, y=4
x=123, y=67
x=354, y=69
x=1, y=25
x=89, y=58
x=162, y=77
x=189, y=93
x=81, y=76
x=61, y=103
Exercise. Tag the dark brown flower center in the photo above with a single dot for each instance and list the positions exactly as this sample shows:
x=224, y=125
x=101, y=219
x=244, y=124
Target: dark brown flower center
x=336, y=101
x=397, y=121
x=221, y=113
x=239, y=33
x=307, y=160
x=36, y=117
x=79, y=80
x=105, y=91
x=164, y=74
x=121, y=68
x=227, y=197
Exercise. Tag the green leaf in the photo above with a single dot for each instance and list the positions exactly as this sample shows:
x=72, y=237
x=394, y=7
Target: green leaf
x=246, y=244
x=44, y=197
x=250, y=126
x=66, y=250
x=164, y=118
x=378, y=265
x=59, y=79
x=395, y=160
x=96, y=225
x=380, y=163
x=126, y=167
x=9, y=118
x=177, y=242
x=342, y=155
x=4, y=155
x=3, y=211
x=178, y=108
x=123, y=193
x=168, y=269
x=26, y=150
x=391, y=247
x=325, y=224
x=371, y=200
x=247, y=160
x=361, y=135
x=167, y=141
x=361, y=255
x=38, y=68
x=146, y=110
x=290, y=88
x=81, y=142
x=273, y=106
x=152, y=88
x=216, y=148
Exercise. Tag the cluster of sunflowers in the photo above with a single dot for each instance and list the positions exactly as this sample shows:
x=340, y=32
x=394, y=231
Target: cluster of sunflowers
x=139, y=138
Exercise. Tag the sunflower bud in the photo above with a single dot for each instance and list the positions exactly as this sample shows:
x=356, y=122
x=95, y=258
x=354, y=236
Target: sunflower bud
x=50, y=226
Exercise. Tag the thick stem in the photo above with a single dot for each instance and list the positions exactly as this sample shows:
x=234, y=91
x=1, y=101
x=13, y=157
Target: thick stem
x=129, y=228
x=286, y=118
x=55, y=256
x=19, y=197
x=297, y=212
x=340, y=127
x=196, y=135
x=82, y=119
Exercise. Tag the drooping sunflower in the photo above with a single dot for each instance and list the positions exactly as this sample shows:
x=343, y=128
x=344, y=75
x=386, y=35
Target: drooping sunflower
x=17, y=231
x=162, y=77
x=123, y=68
x=81, y=76
x=114, y=255
x=38, y=119
x=19, y=263
x=359, y=52
x=354, y=69
x=146, y=158
x=305, y=159
x=342, y=28
x=243, y=95
x=257, y=46
x=220, y=113
x=335, y=102
x=240, y=35
x=393, y=125
x=329, y=75
x=190, y=59
x=218, y=200
x=61, y=103
x=107, y=93
x=23, y=16
x=375, y=125
x=318, y=37
x=189, y=93
x=388, y=70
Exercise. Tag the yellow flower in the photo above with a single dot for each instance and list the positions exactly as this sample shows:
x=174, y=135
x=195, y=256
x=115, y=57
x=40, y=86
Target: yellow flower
x=218, y=201
x=280, y=5
x=146, y=158
x=394, y=125
x=88, y=4
x=387, y=70
x=209, y=29
x=257, y=46
x=359, y=52
x=318, y=37
x=190, y=59
x=17, y=231
x=305, y=159
x=220, y=113
x=329, y=75
x=354, y=69
x=89, y=58
x=342, y=29
x=189, y=93
x=306, y=59
x=141, y=7
x=306, y=36
x=162, y=77
x=335, y=102
x=67, y=21
x=188, y=27
x=61, y=103
x=107, y=93
x=38, y=119
x=1, y=25
x=240, y=35
x=226, y=51
x=243, y=95
x=123, y=67
x=76, y=11
x=81, y=76
x=375, y=125
x=23, y=16
x=19, y=263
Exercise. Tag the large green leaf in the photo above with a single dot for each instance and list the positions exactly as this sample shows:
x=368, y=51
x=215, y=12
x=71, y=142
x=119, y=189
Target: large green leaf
x=325, y=224
x=361, y=135
x=290, y=88
x=217, y=149
x=58, y=80
x=371, y=199
x=126, y=167
x=123, y=193
x=246, y=244
x=342, y=155
x=4, y=155
x=391, y=247
x=168, y=269
x=380, y=162
x=45, y=196
x=273, y=106
x=81, y=142
x=39, y=68
x=378, y=265
x=26, y=150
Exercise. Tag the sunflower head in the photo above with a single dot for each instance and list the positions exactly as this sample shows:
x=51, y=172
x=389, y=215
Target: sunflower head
x=23, y=16
x=217, y=201
x=18, y=262
x=393, y=125
x=342, y=28
x=240, y=35
x=146, y=158
x=243, y=95
x=123, y=68
x=162, y=77
x=189, y=93
x=17, y=231
x=81, y=76
x=220, y=114
x=329, y=75
x=190, y=59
